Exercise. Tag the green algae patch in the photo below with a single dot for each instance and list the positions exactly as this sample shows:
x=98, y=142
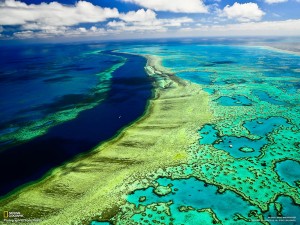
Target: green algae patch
x=162, y=190
x=246, y=149
x=92, y=186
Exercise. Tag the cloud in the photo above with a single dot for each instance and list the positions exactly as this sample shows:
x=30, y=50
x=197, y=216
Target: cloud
x=148, y=17
x=140, y=15
x=265, y=28
x=178, y=6
x=275, y=1
x=57, y=20
x=243, y=12
x=136, y=28
x=154, y=24
x=24, y=34
x=47, y=20
x=53, y=14
x=146, y=20
x=121, y=29
x=117, y=24
x=176, y=22
x=64, y=32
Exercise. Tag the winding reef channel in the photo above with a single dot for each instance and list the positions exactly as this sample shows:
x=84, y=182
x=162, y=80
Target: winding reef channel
x=217, y=147
x=125, y=101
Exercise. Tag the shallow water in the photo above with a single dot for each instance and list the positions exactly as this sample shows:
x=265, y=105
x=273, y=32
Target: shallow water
x=248, y=149
x=189, y=201
x=289, y=171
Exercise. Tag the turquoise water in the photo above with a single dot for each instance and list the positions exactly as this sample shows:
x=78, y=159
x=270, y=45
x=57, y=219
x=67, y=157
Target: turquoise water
x=234, y=101
x=263, y=126
x=189, y=201
x=208, y=134
x=264, y=96
x=247, y=152
x=209, y=90
x=242, y=146
x=286, y=213
x=289, y=171
x=100, y=223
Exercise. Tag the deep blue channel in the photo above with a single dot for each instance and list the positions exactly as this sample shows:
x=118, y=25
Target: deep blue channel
x=126, y=102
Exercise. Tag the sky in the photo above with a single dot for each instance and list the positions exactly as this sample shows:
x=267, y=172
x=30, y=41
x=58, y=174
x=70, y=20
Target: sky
x=125, y=19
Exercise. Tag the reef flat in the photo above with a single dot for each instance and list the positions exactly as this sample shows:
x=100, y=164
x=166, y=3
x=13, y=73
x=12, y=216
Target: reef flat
x=94, y=185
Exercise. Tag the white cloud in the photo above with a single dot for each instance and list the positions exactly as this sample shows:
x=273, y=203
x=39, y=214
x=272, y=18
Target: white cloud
x=48, y=20
x=146, y=20
x=53, y=14
x=54, y=19
x=93, y=28
x=143, y=26
x=24, y=34
x=82, y=29
x=157, y=25
x=147, y=17
x=243, y=12
x=116, y=24
x=275, y=1
x=64, y=32
x=140, y=15
x=139, y=28
x=182, y=6
x=176, y=22
x=266, y=28
x=121, y=29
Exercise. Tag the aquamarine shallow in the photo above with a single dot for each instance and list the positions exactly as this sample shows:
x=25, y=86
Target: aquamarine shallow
x=249, y=148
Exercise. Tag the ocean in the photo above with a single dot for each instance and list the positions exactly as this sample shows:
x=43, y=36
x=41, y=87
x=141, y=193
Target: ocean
x=60, y=101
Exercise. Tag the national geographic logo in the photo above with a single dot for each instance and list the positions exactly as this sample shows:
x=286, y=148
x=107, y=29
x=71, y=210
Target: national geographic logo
x=16, y=217
x=14, y=214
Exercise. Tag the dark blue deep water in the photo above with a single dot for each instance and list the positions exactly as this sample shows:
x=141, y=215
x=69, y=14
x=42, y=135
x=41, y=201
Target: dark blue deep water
x=41, y=79
x=123, y=101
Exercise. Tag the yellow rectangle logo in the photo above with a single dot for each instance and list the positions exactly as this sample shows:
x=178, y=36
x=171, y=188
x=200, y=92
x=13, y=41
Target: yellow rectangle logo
x=5, y=214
